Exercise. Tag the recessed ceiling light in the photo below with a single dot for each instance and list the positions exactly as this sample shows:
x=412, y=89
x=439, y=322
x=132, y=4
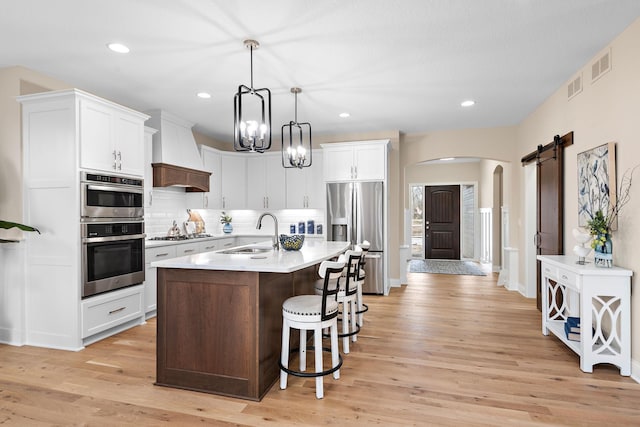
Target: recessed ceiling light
x=343, y=115
x=118, y=47
x=204, y=95
x=468, y=103
x=447, y=159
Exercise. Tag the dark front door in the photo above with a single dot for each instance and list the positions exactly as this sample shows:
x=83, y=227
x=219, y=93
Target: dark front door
x=442, y=222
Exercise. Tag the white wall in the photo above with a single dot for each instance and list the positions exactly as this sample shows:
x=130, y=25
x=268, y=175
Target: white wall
x=605, y=111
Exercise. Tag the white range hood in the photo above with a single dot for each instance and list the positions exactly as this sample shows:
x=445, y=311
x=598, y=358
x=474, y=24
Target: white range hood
x=176, y=159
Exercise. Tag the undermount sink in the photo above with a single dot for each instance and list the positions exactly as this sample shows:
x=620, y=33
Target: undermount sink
x=248, y=250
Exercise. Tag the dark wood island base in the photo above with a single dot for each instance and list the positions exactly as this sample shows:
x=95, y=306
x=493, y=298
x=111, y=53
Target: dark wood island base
x=220, y=331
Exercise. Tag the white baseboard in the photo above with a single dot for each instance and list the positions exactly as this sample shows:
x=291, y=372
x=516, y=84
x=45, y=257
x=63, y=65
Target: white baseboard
x=635, y=370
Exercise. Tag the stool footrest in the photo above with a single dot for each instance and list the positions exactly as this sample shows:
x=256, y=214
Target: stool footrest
x=348, y=334
x=365, y=308
x=312, y=374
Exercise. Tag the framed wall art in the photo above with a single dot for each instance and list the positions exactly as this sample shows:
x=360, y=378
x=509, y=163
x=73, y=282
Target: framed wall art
x=596, y=182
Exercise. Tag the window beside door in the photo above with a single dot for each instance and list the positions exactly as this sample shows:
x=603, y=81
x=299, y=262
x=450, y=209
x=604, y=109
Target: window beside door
x=468, y=220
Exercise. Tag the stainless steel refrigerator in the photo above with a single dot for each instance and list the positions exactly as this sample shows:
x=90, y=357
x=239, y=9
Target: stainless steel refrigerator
x=354, y=214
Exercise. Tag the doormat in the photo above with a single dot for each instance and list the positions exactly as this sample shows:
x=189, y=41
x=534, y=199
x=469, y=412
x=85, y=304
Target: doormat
x=440, y=266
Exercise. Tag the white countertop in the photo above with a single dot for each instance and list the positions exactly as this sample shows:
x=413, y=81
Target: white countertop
x=157, y=243
x=313, y=251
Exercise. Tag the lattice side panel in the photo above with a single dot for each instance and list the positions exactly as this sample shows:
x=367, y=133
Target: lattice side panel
x=607, y=312
x=556, y=301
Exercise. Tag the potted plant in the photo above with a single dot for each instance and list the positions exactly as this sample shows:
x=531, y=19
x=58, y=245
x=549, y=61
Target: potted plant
x=601, y=223
x=8, y=224
x=226, y=221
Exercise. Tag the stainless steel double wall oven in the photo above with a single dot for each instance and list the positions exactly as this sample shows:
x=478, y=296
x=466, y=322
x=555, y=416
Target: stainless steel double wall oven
x=112, y=232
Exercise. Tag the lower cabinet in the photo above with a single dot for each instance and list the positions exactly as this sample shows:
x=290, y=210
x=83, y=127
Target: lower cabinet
x=114, y=309
x=217, y=245
x=150, y=279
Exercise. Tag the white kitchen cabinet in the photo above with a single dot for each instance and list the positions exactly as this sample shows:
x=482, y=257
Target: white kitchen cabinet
x=150, y=277
x=217, y=244
x=265, y=182
x=233, y=176
x=190, y=248
x=112, y=309
x=211, y=160
x=355, y=161
x=111, y=138
x=600, y=298
x=148, y=170
x=64, y=132
x=306, y=186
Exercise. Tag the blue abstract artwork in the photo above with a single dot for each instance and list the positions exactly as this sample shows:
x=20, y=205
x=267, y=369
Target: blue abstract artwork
x=596, y=182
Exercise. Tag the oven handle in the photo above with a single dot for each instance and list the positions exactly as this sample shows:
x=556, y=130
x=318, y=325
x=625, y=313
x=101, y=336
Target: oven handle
x=113, y=238
x=114, y=188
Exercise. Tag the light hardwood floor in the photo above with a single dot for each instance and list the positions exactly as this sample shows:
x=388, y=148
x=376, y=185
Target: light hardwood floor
x=443, y=350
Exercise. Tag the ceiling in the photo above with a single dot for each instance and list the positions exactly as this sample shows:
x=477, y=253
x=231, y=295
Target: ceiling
x=392, y=64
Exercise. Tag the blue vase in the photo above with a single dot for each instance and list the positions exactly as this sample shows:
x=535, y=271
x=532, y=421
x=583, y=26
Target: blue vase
x=227, y=228
x=603, y=253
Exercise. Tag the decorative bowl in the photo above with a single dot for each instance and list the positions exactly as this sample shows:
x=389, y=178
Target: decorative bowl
x=291, y=242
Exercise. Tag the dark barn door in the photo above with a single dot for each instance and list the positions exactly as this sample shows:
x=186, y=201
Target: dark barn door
x=550, y=200
x=442, y=222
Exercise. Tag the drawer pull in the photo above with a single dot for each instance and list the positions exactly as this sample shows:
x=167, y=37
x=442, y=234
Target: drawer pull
x=164, y=254
x=209, y=247
x=186, y=251
x=565, y=277
x=117, y=310
x=228, y=244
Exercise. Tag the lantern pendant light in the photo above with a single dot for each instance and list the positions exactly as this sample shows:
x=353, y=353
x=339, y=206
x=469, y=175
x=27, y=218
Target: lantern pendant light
x=296, y=150
x=252, y=114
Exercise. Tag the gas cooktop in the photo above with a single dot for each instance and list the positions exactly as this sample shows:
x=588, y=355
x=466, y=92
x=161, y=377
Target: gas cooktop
x=181, y=237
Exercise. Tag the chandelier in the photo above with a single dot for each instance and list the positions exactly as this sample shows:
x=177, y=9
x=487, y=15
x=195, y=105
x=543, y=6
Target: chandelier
x=252, y=114
x=296, y=151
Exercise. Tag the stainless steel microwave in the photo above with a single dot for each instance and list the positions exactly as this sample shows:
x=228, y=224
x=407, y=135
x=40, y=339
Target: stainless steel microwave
x=110, y=197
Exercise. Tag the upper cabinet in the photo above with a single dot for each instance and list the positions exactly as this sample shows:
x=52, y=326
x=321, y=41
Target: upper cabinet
x=111, y=137
x=148, y=170
x=305, y=187
x=233, y=176
x=361, y=161
x=212, y=199
x=265, y=182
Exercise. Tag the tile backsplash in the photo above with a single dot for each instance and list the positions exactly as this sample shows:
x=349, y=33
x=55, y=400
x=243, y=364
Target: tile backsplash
x=170, y=204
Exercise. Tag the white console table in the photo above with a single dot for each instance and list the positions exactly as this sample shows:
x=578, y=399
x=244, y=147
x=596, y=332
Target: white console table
x=601, y=297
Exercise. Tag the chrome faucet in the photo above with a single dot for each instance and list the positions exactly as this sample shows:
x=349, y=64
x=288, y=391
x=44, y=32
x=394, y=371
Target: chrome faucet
x=276, y=241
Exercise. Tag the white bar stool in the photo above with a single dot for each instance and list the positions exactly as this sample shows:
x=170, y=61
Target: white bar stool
x=347, y=296
x=362, y=307
x=313, y=312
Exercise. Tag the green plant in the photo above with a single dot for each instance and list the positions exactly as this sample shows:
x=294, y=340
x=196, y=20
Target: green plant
x=8, y=224
x=224, y=218
x=599, y=227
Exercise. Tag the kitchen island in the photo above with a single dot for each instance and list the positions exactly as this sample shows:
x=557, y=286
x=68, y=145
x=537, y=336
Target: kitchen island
x=220, y=316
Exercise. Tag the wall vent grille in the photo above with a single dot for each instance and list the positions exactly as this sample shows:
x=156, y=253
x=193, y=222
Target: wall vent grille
x=574, y=87
x=601, y=66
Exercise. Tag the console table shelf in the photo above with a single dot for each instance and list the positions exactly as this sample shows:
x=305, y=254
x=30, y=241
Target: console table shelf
x=600, y=297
